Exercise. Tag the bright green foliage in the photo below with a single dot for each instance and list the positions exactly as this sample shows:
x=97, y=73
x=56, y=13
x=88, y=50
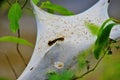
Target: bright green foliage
x=35, y=1
x=56, y=8
x=92, y=27
x=103, y=38
x=14, y=15
x=15, y=40
x=65, y=75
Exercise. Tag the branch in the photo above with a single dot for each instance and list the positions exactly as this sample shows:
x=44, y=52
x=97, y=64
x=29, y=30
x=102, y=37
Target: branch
x=24, y=4
x=89, y=71
x=17, y=47
x=9, y=2
x=13, y=70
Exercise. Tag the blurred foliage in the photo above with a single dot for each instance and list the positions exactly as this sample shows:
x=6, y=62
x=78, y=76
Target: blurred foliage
x=111, y=63
x=3, y=6
x=111, y=69
x=94, y=29
x=82, y=58
x=35, y=1
x=56, y=8
x=1, y=78
x=2, y=2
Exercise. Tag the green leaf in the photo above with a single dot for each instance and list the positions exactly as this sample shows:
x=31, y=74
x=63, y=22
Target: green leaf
x=103, y=25
x=92, y=27
x=35, y=1
x=57, y=8
x=14, y=15
x=15, y=40
x=102, y=40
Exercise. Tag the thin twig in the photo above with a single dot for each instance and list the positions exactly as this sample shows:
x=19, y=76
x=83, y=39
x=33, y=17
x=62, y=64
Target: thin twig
x=19, y=37
x=24, y=4
x=78, y=77
x=17, y=47
x=13, y=70
x=9, y=2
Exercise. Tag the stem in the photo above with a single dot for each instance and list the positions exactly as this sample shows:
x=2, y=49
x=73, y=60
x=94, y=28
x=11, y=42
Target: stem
x=13, y=70
x=24, y=4
x=16, y=1
x=77, y=77
x=17, y=47
x=9, y=2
